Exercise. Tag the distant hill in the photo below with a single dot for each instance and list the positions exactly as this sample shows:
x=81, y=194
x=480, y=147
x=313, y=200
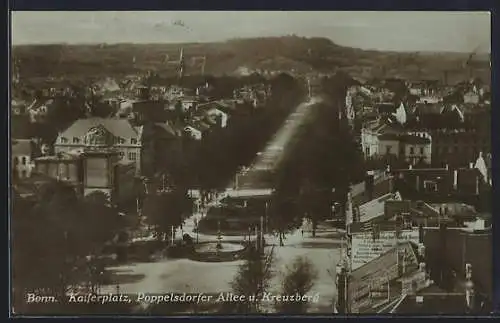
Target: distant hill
x=271, y=53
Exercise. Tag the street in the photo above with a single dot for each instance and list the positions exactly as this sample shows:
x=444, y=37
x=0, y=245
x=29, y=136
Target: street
x=188, y=276
x=278, y=147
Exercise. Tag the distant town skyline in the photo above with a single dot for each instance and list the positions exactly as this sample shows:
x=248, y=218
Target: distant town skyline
x=389, y=30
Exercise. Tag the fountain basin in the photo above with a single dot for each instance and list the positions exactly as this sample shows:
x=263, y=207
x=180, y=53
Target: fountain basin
x=210, y=252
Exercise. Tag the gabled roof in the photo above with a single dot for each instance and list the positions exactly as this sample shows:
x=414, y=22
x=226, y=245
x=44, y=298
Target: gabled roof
x=384, y=126
x=374, y=208
x=222, y=107
x=168, y=128
x=118, y=127
x=381, y=187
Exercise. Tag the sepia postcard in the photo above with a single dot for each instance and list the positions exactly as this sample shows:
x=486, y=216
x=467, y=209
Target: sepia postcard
x=176, y=163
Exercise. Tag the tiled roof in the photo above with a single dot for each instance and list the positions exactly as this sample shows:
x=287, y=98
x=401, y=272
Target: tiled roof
x=412, y=139
x=389, y=136
x=118, y=127
x=168, y=128
x=384, y=126
x=381, y=187
x=374, y=208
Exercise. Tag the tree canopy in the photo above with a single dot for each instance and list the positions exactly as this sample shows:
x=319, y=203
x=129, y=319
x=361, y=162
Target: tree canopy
x=58, y=234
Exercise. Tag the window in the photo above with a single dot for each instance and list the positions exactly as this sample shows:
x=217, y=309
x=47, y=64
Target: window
x=412, y=150
x=122, y=154
x=23, y=161
x=133, y=141
x=64, y=140
x=388, y=149
x=430, y=186
x=76, y=140
x=367, y=151
x=421, y=150
x=132, y=156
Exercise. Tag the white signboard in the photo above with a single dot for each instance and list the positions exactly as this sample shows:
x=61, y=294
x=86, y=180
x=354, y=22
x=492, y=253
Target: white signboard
x=364, y=248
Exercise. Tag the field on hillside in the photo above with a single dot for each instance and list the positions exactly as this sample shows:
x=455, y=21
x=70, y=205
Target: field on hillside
x=274, y=53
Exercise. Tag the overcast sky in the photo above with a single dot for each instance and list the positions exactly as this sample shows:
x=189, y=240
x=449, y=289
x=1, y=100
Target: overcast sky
x=401, y=31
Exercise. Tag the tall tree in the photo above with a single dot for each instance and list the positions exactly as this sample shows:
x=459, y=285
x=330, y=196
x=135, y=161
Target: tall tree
x=166, y=211
x=253, y=280
x=299, y=279
x=56, y=235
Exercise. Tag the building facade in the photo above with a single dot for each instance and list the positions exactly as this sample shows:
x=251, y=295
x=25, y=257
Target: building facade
x=394, y=143
x=102, y=132
x=22, y=157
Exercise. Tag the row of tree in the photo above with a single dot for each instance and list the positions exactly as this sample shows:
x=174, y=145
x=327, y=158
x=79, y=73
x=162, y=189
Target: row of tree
x=255, y=277
x=325, y=162
x=212, y=162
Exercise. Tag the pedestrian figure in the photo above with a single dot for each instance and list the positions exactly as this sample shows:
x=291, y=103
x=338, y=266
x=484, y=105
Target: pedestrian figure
x=302, y=231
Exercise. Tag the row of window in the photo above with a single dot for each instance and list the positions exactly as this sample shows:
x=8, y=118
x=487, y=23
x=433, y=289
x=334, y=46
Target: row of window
x=23, y=160
x=130, y=155
x=388, y=150
x=117, y=140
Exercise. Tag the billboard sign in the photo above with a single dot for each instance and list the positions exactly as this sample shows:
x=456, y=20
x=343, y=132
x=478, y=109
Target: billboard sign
x=364, y=248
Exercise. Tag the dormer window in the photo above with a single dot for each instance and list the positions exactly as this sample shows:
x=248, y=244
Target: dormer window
x=64, y=140
x=133, y=141
x=119, y=140
x=76, y=140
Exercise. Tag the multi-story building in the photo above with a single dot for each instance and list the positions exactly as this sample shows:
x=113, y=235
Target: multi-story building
x=94, y=169
x=459, y=132
x=389, y=140
x=103, y=132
